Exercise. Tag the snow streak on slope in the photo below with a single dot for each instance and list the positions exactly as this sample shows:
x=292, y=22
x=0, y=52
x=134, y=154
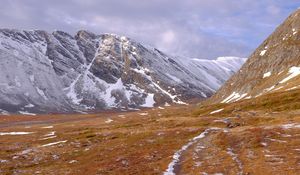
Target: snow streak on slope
x=293, y=71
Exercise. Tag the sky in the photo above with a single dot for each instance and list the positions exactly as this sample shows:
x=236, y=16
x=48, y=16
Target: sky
x=192, y=28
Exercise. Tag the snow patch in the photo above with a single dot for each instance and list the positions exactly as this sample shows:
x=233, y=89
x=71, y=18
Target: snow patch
x=167, y=104
x=73, y=161
x=290, y=126
x=249, y=97
x=292, y=88
x=72, y=93
x=109, y=120
x=293, y=71
x=15, y=133
x=121, y=116
x=264, y=144
x=269, y=89
x=276, y=140
x=216, y=111
x=47, y=127
x=294, y=31
x=54, y=143
x=268, y=74
x=234, y=97
x=159, y=107
x=26, y=151
x=203, y=94
x=226, y=121
x=52, y=133
x=47, y=138
x=3, y=161
x=279, y=88
x=3, y=112
x=262, y=53
x=26, y=113
x=149, y=101
x=41, y=93
x=143, y=114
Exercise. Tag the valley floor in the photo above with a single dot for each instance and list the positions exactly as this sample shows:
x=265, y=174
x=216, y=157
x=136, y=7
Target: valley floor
x=216, y=139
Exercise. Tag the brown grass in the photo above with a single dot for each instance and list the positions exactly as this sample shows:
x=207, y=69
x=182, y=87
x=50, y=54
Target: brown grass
x=145, y=144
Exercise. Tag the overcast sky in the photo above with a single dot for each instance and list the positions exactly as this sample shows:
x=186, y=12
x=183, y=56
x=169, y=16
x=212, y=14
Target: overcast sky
x=193, y=28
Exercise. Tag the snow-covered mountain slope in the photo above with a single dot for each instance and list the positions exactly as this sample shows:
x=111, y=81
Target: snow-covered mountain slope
x=273, y=67
x=42, y=72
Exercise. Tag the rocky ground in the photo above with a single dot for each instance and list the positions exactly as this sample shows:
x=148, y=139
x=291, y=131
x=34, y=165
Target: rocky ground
x=255, y=136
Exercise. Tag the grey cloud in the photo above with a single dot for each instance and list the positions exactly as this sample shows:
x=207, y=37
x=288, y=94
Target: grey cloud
x=193, y=28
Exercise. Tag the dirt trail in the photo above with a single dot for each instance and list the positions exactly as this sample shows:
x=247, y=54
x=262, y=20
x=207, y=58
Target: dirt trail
x=249, y=150
x=175, y=166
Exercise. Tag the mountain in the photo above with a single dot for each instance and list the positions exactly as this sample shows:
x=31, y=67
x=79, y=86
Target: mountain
x=43, y=72
x=273, y=67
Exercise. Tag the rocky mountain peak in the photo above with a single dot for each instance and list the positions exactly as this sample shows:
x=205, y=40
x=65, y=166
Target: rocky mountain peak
x=58, y=72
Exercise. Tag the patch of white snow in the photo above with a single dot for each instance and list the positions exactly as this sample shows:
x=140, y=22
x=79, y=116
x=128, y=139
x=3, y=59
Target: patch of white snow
x=268, y=74
x=47, y=127
x=15, y=133
x=234, y=97
x=149, y=101
x=262, y=53
x=54, y=143
x=26, y=113
x=109, y=120
x=294, y=71
x=216, y=111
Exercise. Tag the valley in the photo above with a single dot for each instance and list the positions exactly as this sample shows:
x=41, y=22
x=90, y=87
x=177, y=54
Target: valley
x=105, y=104
x=198, y=138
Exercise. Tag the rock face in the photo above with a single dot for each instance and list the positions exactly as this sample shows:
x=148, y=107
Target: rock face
x=273, y=67
x=48, y=73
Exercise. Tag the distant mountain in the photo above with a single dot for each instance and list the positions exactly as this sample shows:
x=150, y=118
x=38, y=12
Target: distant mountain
x=273, y=67
x=48, y=73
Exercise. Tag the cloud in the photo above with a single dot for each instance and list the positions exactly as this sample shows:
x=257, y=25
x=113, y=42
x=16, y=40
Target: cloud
x=167, y=40
x=193, y=28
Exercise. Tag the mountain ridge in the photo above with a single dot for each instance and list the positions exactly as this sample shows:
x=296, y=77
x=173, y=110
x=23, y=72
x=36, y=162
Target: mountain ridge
x=59, y=72
x=273, y=67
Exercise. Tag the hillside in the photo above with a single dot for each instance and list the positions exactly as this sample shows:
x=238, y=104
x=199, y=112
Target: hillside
x=273, y=67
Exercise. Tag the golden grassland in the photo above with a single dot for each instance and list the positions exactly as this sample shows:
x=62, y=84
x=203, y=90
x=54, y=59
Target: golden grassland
x=143, y=142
